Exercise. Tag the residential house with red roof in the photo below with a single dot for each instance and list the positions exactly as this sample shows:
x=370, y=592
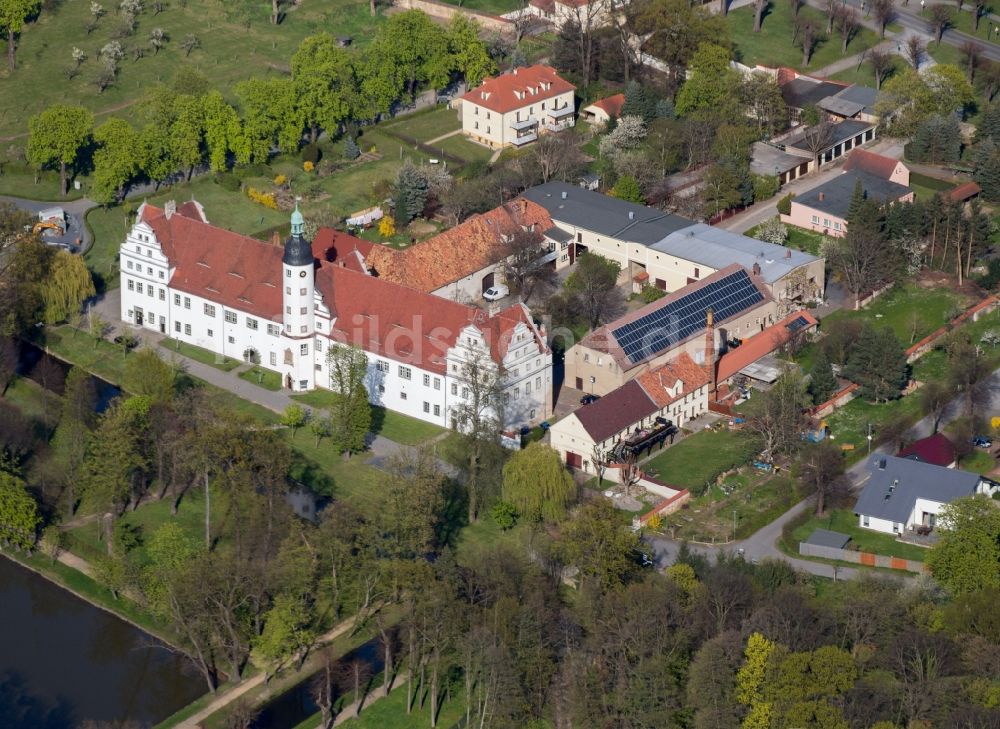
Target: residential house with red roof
x=512, y=109
x=649, y=408
x=604, y=110
x=935, y=449
x=463, y=262
x=286, y=306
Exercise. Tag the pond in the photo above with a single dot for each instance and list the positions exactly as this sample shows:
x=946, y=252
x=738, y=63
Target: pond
x=64, y=662
x=50, y=372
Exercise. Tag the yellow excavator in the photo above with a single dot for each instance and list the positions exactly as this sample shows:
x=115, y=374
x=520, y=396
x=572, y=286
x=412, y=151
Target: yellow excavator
x=41, y=225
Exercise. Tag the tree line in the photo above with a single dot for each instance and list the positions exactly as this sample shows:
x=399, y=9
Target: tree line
x=186, y=124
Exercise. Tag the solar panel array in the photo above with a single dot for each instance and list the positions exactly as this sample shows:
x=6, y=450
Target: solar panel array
x=668, y=325
x=797, y=323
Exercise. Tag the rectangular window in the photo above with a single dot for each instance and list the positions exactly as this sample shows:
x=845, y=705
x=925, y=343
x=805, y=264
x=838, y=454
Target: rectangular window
x=302, y=292
x=128, y=264
x=177, y=327
x=303, y=384
x=288, y=273
x=319, y=344
x=161, y=274
x=231, y=339
x=187, y=302
x=427, y=380
x=836, y=226
x=465, y=393
x=177, y=299
x=437, y=383
x=405, y=372
x=381, y=365
x=209, y=310
x=163, y=295
x=538, y=383
x=150, y=291
x=815, y=219
x=131, y=285
x=211, y=333
x=303, y=310
x=402, y=396
x=437, y=410
x=527, y=388
x=138, y=286
x=427, y=407
x=251, y=323
x=319, y=367
x=303, y=349
x=273, y=330
x=454, y=389
x=826, y=222
x=231, y=317
x=303, y=329
x=274, y=359
x=187, y=330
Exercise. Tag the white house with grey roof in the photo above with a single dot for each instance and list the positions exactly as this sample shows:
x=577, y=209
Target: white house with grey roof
x=903, y=494
x=667, y=251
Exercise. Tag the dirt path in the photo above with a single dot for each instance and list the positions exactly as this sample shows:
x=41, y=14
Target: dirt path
x=223, y=700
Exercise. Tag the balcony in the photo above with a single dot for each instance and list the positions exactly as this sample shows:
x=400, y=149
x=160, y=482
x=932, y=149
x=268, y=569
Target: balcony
x=557, y=126
x=527, y=138
x=528, y=123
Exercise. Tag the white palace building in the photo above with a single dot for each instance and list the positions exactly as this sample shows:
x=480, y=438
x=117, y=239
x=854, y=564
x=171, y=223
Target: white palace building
x=285, y=306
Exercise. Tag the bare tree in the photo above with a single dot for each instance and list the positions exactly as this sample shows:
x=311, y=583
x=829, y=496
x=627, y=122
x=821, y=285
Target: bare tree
x=941, y=19
x=818, y=137
x=776, y=417
x=848, y=25
x=978, y=10
x=808, y=37
x=323, y=687
x=820, y=469
x=521, y=266
x=862, y=260
x=914, y=51
x=588, y=18
x=989, y=79
x=884, y=13
x=831, y=8
x=759, y=6
x=972, y=52
x=881, y=62
x=934, y=399
x=557, y=156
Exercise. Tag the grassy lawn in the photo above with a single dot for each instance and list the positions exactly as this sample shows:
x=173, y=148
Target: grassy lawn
x=926, y=186
x=773, y=45
x=865, y=76
x=494, y=7
x=946, y=53
x=394, y=426
x=425, y=125
x=390, y=713
x=103, y=358
x=978, y=462
x=911, y=311
x=459, y=146
x=800, y=239
x=34, y=401
x=198, y=354
x=237, y=41
x=849, y=424
x=699, y=458
x=109, y=227
x=268, y=379
x=865, y=540
x=748, y=500
x=963, y=20
x=15, y=180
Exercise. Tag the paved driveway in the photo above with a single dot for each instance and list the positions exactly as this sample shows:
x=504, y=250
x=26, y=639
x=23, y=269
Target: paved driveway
x=76, y=211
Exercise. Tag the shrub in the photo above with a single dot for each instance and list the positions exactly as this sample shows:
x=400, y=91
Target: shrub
x=649, y=294
x=311, y=153
x=351, y=149
x=504, y=514
x=785, y=204
x=280, y=180
x=308, y=166
x=262, y=198
x=765, y=187
x=387, y=227
x=227, y=181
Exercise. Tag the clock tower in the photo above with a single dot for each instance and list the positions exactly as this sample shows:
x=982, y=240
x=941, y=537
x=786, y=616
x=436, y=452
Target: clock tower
x=298, y=268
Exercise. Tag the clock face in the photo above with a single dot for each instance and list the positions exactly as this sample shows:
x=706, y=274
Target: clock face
x=302, y=274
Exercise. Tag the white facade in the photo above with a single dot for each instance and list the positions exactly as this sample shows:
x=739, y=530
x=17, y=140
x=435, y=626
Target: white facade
x=520, y=126
x=296, y=343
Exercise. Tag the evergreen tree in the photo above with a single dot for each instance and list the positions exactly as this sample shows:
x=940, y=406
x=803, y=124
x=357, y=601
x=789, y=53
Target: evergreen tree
x=639, y=102
x=857, y=200
x=822, y=381
x=351, y=149
x=987, y=168
x=989, y=124
x=740, y=170
x=411, y=193
x=937, y=140
x=878, y=365
x=665, y=109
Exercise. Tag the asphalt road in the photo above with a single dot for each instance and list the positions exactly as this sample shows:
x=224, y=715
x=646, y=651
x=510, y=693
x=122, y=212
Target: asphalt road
x=75, y=211
x=762, y=544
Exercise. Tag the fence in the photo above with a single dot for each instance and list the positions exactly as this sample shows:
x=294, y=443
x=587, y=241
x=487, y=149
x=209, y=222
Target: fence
x=863, y=558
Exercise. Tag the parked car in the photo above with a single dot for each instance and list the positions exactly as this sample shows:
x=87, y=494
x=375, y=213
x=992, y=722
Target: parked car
x=494, y=293
x=981, y=441
x=587, y=399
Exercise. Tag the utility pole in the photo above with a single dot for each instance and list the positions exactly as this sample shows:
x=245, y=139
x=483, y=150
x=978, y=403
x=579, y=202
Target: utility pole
x=869, y=439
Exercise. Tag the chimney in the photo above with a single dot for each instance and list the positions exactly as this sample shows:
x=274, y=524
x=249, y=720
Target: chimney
x=822, y=196
x=275, y=238
x=710, y=351
x=169, y=208
x=756, y=269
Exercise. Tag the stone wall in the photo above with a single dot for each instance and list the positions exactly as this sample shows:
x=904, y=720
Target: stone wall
x=863, y=558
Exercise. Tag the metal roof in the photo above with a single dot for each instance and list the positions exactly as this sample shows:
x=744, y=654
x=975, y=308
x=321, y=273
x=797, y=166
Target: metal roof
x=865, y=96
x=805, y=91
x=582, y=208
x=718, y=248
x=895, y=484
x=837, y=193
x=839, y=132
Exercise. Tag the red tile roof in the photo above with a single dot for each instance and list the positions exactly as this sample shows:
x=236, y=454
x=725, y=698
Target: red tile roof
x=341, y=249
x=656, y=382
x=873, y=164
x=760, y=344
x=616, y=411
x=612, y=105
x=520, y=88
x=454, y=254
x=546, y=6
x=380, y=316
x=936, y=450
x=964, y=191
